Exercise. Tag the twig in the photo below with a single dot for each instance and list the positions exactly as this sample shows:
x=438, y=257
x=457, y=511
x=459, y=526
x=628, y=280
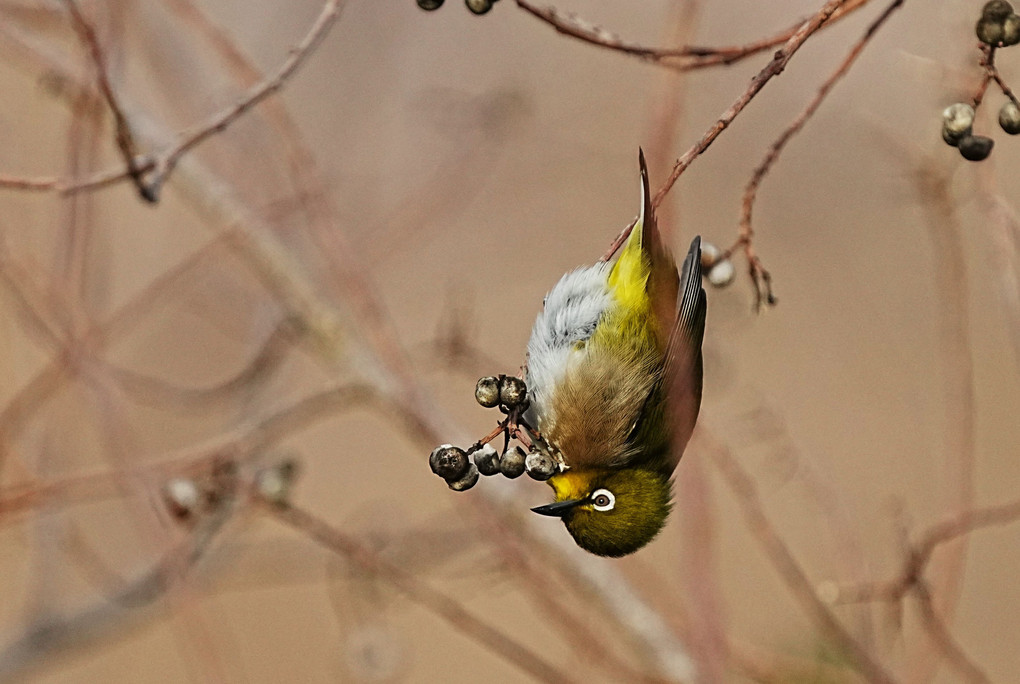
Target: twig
x=162, y=164
x=125, y=139
x=686, y=58
x=772, y=69
x=990, y=73
x=474, y=628
x=760, y=277
x=217, y=123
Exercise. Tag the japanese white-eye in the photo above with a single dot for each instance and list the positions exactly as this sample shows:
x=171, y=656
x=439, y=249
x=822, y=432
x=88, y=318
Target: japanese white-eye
x=614, y=377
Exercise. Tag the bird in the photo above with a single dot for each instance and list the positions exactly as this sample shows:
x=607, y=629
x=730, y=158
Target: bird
x=614, y=374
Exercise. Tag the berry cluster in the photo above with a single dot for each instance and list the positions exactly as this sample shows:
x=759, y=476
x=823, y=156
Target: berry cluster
x=461, y=468
x=476, y=6
x=999, y=26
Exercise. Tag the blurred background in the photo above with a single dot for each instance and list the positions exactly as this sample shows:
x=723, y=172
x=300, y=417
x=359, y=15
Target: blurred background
x=322, y=283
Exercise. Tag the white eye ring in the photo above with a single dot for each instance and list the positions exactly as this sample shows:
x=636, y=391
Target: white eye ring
x=603, y=500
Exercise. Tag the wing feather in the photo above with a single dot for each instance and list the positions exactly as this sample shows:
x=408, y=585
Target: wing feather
x=683, y=374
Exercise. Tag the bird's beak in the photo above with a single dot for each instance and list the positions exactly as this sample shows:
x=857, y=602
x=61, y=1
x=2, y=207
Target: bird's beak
x=558, y=509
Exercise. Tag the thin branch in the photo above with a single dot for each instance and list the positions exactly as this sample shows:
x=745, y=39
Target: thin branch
x=160, y=165
x=685, y=58
x=217, y=123
x=911, y=580
x=965, y=523
x=772, y=69
x=125, y=138
x=760, y=277
x=990, y=73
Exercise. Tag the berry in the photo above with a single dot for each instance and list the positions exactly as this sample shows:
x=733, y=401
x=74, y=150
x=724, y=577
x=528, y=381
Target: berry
x=1011, y=30
x=467, y=481
x=1009, y=118
x=989, y=31
x=479, y=6
x=487, y=391
x=540, y=466
x=512, y=463
x=449, y=462
x=996, y=10
x=722, y=273
x=487, y=460
x=512, y=391
x=976, y=147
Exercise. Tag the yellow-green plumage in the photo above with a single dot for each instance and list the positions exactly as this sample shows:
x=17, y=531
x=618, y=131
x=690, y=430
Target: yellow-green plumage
x=612, y=345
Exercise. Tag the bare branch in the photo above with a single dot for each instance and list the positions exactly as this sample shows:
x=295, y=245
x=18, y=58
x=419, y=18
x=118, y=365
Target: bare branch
x=772, y=69
x=760, y=277
x=686, y=58
x=160, y=165
x=125, y=138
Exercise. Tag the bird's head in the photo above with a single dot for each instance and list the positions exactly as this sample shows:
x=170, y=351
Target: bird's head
x=610, y=512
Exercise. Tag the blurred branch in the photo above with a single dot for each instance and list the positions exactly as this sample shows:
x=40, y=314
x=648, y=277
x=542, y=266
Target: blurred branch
x=249, y=379
x=450, y=610
x=790, y=571
x=159, y=166
x=1003, y=255
x=239, y=447
x=952, y=328
x=943, y=639
x=911, y=580
x=83, y=628
x=919, y=553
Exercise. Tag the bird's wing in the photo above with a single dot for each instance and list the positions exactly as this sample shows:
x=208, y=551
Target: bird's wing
x=682, y=375
x=679, y=307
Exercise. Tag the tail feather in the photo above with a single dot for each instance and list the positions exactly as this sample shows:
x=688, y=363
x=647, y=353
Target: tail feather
x=663, y=282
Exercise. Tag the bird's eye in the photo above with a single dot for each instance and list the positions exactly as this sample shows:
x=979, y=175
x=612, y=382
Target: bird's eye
x=602, y=500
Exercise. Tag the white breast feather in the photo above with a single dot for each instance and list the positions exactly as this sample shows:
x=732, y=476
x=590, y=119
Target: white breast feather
x=572, y=310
